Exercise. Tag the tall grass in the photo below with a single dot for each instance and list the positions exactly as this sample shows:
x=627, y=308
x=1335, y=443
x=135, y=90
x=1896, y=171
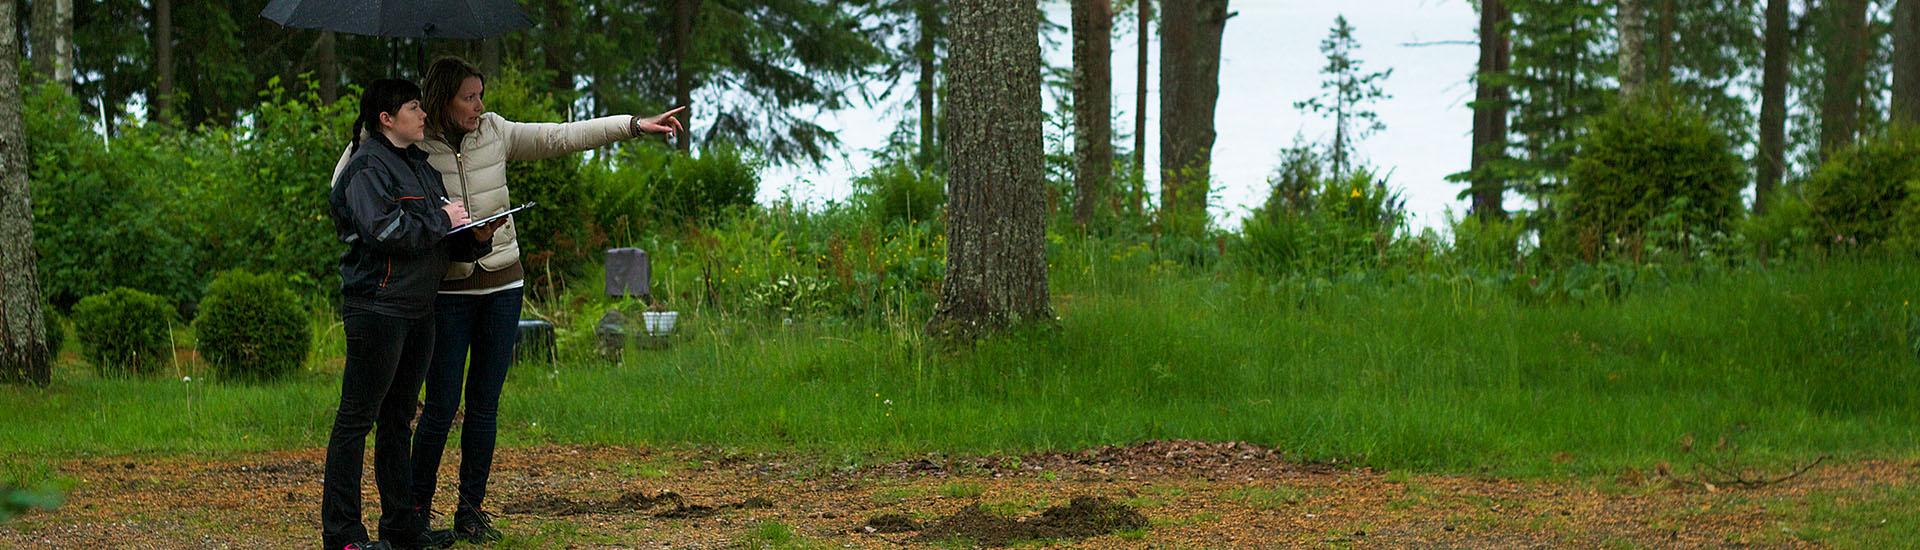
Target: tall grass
x=1427, y=374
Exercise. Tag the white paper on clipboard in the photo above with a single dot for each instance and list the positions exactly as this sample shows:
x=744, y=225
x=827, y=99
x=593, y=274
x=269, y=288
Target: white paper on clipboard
x=489, y=219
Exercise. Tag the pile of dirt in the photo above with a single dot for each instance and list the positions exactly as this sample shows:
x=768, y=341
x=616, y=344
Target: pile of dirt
x=891, y=523
x=635, y=501
x=1083, y=517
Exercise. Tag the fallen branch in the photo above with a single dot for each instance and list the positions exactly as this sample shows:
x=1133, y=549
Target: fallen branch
x=1741, y=480
x=1733, y=479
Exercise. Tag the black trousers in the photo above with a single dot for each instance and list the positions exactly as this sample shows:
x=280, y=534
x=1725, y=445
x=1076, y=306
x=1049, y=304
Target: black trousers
x=386, y=358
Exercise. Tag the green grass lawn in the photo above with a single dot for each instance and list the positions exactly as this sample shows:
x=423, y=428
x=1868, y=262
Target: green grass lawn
x=1785, y=364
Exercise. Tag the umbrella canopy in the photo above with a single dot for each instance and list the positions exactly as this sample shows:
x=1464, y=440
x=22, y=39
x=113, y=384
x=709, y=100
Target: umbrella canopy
x=462, y=19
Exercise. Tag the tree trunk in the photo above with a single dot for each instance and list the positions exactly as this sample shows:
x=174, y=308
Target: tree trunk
x=1190, y=34
x=1773, y=104
x=23, y=337
x=557, y=49
x=684, y=13
x=1906, y=62
x=1490, y=111
x=1092, y=104
x=1845, y=80
x=923, y=51
x=1140, y=108
x=1633, y=55
x=163, y=61
x=1663, y=68
x=52, y=33
x=328, y=62
x=996, y=210
x=490, y=56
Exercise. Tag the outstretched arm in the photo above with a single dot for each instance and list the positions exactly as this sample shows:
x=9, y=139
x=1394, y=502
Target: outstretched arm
x=536, y=141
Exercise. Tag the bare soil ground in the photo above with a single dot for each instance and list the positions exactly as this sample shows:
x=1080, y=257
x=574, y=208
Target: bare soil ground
x=1169, y=494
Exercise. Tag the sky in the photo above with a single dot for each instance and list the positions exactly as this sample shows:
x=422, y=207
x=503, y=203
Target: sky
x=1270, y=59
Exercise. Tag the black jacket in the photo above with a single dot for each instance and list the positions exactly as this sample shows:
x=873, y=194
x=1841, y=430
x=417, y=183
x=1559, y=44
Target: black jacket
x=386, y=207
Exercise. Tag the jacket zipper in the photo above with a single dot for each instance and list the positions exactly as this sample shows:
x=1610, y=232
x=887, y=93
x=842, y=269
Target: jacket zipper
x=460, y=164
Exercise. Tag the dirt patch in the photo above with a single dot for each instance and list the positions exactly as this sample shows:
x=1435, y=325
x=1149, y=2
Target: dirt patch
x=556, y=505
x=1196, y=494
x=631, y=502
x=1083, y=517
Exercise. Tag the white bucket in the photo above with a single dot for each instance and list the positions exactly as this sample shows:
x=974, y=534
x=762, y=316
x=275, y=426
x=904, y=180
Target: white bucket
x=660, y=323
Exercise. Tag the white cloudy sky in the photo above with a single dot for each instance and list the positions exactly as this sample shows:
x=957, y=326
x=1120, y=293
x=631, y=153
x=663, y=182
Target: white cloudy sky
x=1270, y=60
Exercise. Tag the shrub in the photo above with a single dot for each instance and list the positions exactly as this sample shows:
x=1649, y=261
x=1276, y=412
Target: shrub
x=644, y=187
x=1327, y=224
x=1645, y=160
x=101, y=219
x=705, y=188
x=901, y=192
x=251, y=327
x=1857, y=196
x=1492, y=244
x=258, y=193
x=1784, y=231
x=126, y=331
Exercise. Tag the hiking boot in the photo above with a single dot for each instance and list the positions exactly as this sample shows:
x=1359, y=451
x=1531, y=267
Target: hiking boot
x=427, y=540
x=475, y=526
x=418, y=535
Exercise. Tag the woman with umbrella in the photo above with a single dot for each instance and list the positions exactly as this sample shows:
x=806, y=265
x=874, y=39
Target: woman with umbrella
x=477, y=312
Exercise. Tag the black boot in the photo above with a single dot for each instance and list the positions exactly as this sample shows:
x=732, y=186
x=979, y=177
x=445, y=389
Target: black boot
x=475, y=526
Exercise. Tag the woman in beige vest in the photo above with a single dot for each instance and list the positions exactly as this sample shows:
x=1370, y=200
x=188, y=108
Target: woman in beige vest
x=477, y=312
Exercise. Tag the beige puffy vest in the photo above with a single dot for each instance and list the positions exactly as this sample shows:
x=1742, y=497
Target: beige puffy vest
x=478, y=173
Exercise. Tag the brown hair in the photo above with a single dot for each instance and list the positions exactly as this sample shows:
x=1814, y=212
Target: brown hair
x=443, y=81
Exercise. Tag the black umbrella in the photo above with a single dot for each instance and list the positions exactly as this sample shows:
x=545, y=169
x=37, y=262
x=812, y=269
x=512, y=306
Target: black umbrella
x=461, y=19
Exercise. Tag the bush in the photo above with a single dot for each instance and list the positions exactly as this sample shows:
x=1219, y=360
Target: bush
x=251, y=327
x=101, y=217
x=1785, y=231
x=126, y=331
x=705, y=188
x=257, y=194
x=1858, y=196
x=901, y=192
x=1490, y=244
x=1643, y=161
x=642, y=188
x=1322, y=225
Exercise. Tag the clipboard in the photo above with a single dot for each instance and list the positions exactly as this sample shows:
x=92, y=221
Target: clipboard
x=490, y=219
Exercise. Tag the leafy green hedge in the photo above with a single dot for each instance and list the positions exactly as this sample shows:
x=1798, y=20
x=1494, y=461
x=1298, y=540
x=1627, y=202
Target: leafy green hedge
x=252, y=327
x=126, y=331
x=1322, y=224
x=1649, y=172
x=1864, y=194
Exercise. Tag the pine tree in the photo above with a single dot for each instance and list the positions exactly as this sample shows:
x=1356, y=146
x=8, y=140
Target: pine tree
x=996, y=209
x=1562, y=72
x=1092, y=105
x=1346, y=94
x=23, y=338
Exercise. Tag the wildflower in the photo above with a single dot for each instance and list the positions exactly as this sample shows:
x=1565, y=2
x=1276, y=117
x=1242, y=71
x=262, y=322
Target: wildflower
x=1356, y=193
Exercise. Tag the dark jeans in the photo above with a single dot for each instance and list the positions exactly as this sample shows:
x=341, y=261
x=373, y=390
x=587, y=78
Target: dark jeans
x=487, y=326
x=386, y=357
